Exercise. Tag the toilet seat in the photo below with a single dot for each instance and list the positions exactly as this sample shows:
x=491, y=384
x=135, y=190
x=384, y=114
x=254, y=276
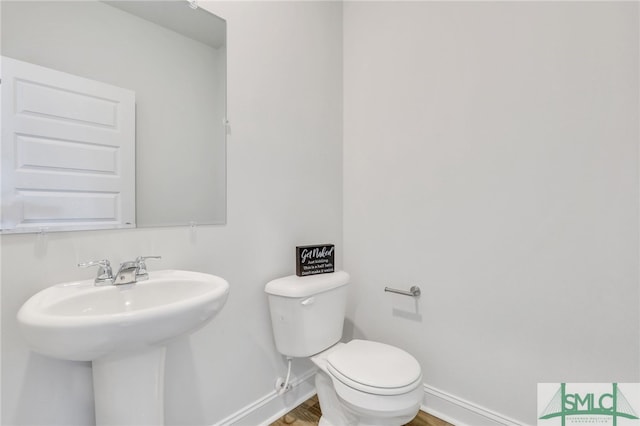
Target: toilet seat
x=374, y=368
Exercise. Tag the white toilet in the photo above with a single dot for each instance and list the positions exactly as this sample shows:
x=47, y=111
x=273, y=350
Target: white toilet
x=358, y=383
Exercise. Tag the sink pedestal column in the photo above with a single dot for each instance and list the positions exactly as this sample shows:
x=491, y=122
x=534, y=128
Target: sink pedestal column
x=129, y=388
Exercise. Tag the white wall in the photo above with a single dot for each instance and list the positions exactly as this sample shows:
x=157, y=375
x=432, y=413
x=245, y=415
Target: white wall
x=284, y=189
x=491, y=157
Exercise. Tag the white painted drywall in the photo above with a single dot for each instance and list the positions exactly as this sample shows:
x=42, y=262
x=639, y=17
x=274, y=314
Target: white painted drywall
x=284, y=186
x=491, y=157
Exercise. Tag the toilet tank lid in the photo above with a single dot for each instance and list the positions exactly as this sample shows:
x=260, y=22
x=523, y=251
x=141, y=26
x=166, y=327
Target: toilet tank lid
x=295, y=286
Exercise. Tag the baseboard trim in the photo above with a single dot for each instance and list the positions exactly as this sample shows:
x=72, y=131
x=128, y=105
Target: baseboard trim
x=302, y=388
x=461, y=412
x=445, y=406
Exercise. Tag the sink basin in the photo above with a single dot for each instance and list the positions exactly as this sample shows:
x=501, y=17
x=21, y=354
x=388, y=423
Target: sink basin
x=83, y=322
x=123, y=330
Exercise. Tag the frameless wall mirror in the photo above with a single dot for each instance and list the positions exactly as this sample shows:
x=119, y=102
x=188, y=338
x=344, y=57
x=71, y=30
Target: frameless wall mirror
x=113, y=115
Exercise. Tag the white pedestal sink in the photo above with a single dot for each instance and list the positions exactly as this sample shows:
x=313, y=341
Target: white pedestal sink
x=123, y=330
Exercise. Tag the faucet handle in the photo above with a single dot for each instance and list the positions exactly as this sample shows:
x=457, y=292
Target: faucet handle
x=142, y=273
x=105, y=274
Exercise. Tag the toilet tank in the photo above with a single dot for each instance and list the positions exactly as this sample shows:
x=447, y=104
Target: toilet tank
x=307, y=313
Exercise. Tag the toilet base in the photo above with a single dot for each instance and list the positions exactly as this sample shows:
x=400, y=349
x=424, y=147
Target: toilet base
x=332, y=411
x=338, y=412
x=324, y=422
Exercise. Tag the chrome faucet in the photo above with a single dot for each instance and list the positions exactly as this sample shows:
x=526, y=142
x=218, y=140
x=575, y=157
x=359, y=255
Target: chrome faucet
x=127, y=273
x=142, y=273
x=130, y=271
x=105, y=274
x=133, y=271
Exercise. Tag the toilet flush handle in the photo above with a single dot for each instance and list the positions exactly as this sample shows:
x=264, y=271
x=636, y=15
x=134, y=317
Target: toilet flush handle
x=308, y=301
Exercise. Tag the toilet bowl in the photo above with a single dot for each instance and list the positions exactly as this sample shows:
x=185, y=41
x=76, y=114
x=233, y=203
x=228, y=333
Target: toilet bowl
x=367, y=383
x=359, y=383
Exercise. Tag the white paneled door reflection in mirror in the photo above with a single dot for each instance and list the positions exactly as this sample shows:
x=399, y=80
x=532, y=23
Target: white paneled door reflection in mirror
x=69, y=148
x=173, y=58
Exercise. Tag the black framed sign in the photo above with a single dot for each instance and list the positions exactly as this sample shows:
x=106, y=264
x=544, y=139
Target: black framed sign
x=317, y=259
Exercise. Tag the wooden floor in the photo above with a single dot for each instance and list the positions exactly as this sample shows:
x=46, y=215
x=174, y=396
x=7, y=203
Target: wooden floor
x=308, y=413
